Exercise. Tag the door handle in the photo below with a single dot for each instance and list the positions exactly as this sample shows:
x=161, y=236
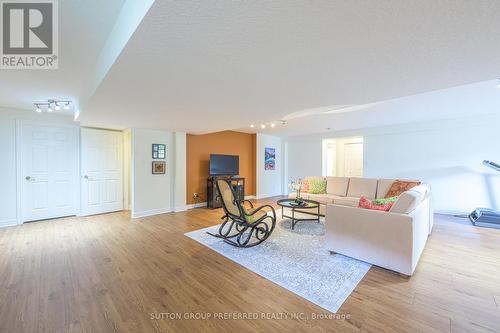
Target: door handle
x=29, y=178
x=87, y=177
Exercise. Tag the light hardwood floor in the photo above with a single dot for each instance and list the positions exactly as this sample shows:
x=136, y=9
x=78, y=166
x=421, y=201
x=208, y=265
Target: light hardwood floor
x=109, y=273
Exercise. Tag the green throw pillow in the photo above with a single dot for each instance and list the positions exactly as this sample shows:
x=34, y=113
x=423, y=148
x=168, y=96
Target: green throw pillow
x=385, y=201
x=317, y=186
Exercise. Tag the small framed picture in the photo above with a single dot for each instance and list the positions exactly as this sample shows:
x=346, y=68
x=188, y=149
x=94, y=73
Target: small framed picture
x=159, y=167
x=270, y=159
x=159, y=151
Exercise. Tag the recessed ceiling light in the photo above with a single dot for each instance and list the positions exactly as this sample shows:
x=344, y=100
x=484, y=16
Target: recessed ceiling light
x=252, y=125
x=272, y=124
x=262, y=126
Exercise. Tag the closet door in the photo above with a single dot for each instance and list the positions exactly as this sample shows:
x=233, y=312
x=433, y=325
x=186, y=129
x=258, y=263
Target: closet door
x=102, y=171
x=49, y=171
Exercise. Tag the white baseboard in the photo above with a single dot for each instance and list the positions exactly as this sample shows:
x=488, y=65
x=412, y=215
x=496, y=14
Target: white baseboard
x=264, y=196
x=151, y=212
x=204, y=204
x=450, y=212
x=197, y=205
x=8, y=223
x=182, y=208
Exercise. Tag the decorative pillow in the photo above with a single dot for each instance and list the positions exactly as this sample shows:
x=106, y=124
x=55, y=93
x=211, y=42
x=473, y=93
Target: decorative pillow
x=305, y=186
x=400, y=186
x=367, y=204
x=317, y=186
x=380, y=202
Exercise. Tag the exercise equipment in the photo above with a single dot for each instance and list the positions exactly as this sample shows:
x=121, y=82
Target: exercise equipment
x=485, y=217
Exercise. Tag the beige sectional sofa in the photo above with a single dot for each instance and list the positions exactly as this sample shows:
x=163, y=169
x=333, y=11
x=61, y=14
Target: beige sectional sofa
x=393, y=240
x=347, y=191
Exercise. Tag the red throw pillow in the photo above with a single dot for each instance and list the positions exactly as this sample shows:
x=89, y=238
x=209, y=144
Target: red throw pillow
x=400, y=186
x=305, y=186
x=367, y=204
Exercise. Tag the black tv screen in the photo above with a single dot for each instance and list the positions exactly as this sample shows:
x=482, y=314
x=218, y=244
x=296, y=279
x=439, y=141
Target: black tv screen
x=224, y=165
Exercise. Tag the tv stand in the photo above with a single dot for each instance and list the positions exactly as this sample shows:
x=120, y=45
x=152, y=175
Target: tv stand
x=213, y=197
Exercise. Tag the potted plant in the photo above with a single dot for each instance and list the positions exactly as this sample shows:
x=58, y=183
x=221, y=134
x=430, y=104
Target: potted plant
x=296, y=185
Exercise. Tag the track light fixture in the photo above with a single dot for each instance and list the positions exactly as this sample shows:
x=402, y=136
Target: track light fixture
x=271, y=124
x=52, y=104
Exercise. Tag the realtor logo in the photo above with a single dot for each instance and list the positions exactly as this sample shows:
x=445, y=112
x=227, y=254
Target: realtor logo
x=29, y=34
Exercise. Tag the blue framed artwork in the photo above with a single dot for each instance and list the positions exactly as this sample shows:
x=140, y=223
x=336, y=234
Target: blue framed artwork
x=270, y=159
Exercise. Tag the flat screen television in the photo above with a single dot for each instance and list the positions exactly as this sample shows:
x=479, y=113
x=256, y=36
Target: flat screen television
x=224, y=165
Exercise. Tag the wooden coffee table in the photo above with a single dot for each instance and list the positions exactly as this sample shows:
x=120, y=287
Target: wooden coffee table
x=309, y=205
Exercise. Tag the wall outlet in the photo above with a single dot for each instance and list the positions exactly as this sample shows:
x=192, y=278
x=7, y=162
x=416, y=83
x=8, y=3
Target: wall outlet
x=195, y=196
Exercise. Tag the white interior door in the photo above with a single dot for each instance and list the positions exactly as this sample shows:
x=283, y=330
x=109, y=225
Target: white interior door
x=102, y=171
x=353, y=159
x=49, y=171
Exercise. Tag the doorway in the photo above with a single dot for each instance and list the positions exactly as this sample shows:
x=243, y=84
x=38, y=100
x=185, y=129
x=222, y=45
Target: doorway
x=343, y=157
x=48, y=164
x=102, y=171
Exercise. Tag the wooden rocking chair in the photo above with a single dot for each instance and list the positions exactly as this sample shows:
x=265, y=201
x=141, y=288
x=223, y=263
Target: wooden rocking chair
x=241, y=227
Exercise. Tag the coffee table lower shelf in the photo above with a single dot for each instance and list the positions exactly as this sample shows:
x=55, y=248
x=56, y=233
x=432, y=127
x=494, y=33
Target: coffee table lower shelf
x=311, y=205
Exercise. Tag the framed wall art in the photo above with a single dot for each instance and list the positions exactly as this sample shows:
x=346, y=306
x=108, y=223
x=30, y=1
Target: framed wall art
x=159, y=167
x=270, y=159
x=159, y=151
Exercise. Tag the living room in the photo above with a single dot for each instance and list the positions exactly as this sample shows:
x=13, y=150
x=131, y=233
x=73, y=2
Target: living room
x=254, y=166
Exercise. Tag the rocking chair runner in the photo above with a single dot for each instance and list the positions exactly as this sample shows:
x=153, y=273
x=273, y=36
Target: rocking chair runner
x=243, y=228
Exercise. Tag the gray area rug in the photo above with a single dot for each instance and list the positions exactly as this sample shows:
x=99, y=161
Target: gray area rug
x=296, y=260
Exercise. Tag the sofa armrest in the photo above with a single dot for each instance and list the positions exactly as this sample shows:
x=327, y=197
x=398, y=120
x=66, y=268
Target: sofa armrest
x=391, y=240
x=368, y=224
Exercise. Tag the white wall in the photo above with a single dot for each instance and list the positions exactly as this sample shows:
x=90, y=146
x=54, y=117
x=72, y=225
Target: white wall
x=304, y=156
x=180, y=172
x=446, y=154
x=151, y=194
x=9, y=214
x=127, y=165
x=269, y=182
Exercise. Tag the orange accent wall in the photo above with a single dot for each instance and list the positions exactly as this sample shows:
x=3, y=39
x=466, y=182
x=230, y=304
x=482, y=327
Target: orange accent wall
x=198, y=150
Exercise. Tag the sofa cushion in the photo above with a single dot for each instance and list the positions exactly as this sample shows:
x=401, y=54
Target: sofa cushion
x=399, y=186
x=333, y=196
x=321, y=198
x=409, y=200
x=305, y=185
x=337, y=185
x=362, y=187
x=346, y=201
x=317, y=186
x=383, y=186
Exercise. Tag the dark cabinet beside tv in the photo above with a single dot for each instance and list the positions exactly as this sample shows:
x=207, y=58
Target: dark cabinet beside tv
x=213, y=197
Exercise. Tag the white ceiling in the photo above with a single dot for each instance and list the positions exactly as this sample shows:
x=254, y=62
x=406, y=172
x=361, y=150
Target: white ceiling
x=475, y=99
x=84, y=26
x=201, y=66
